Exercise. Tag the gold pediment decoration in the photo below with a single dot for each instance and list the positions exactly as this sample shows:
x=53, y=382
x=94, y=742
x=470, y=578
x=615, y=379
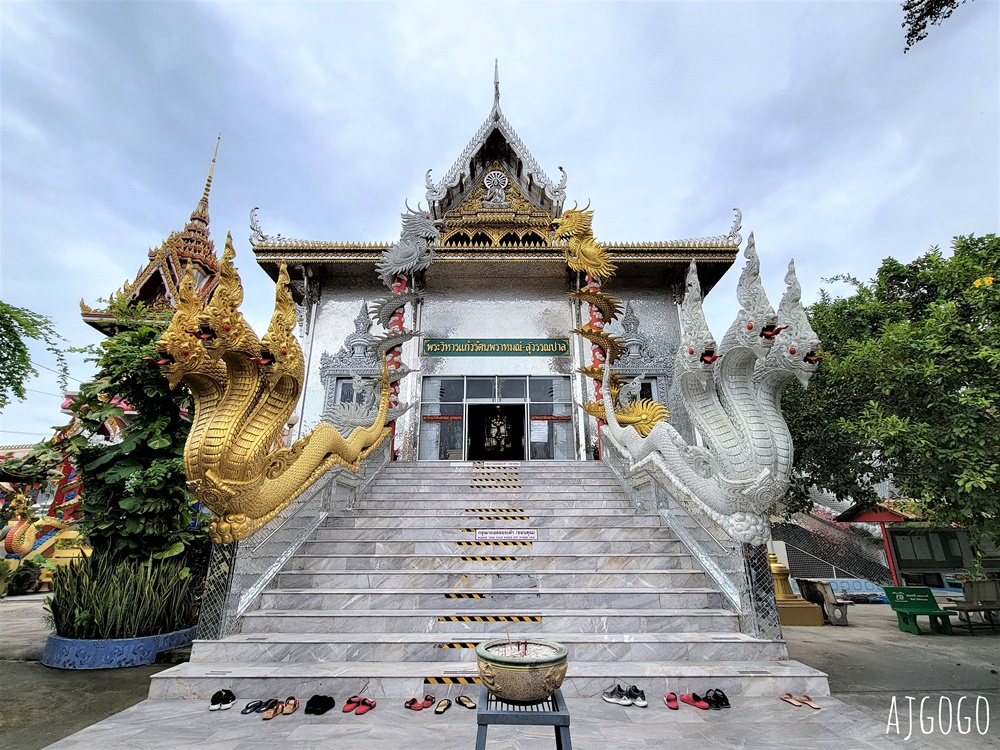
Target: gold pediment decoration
x=513, y=220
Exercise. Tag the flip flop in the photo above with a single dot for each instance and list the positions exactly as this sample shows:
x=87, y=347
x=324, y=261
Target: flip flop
x=693, y=699
x=352, y=703
x=442, y=706
x=671, y=700
x=808, y=701
x=789, y=698
x=267, y=705
x=414, y=705
x=464, y=700
x=251, y=707
x=367, y=704
x=291, y=705
x=275, y=710
x=428, y=701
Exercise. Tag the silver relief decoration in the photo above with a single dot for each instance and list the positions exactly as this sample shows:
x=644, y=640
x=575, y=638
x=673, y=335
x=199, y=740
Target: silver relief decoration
x=496, y=183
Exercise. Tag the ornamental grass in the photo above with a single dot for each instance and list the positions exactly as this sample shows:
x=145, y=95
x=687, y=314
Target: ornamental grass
x=97, y=598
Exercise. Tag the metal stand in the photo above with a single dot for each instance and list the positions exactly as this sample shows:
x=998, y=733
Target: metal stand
x=551, y=712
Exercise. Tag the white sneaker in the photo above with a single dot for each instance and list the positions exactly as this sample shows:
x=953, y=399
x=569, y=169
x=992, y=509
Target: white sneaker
x=617, y=695
x=636, y=696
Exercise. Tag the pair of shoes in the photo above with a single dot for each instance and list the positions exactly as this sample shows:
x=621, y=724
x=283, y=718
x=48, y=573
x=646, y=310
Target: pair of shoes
x=415, y=704
x=717, y=700
x=442, y=706
x=222, y=700
x=358, y=705
x=259, y=707
x=319, y=704
x=802, y=699
x=464, y=700
x=631, y=697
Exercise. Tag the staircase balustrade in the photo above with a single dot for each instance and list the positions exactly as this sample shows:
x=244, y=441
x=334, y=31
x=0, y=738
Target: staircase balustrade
x=741, y=571
x=238, y=572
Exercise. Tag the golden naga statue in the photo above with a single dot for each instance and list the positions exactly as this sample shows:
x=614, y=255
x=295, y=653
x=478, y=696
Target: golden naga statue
x=244, y=391
x=583, y=252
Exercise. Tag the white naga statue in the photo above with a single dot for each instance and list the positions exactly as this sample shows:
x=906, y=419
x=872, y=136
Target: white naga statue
x=733, y=394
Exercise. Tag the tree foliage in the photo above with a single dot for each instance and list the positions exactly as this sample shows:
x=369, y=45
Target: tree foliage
x=18, y=325
x=918, y=14
x=908, y=389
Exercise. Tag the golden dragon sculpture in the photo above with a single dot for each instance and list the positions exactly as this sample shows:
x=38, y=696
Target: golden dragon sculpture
x=585, y=254
x=244, y=390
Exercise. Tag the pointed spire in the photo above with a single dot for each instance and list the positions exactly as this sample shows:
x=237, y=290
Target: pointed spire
x=201, y=210
x=495, y=113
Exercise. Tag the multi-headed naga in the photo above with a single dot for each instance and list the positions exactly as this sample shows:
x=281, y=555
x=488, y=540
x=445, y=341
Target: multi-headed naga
x=732, y=393
x=244, y=389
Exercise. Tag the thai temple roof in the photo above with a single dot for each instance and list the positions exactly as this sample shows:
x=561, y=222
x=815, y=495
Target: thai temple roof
x=157, y=283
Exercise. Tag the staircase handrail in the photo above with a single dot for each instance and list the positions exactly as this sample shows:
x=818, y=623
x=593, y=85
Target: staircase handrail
x=239, y=572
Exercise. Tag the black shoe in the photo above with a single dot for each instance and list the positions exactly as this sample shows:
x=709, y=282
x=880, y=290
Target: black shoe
x=323, y=704
x=216, y=703
x=617, y=695
x=637, y=696
x=228, y=700
x=712, y=701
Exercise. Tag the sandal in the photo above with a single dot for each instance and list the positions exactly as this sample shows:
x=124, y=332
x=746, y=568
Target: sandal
x=428, y=701
x=352, y=703
x=712, y=702
x=414, y=704
x=693, y=699
x=251, y=707
x=275, y=710
x=464, y=700
x=789, y=698
x=266, y=705
x=722, y=699
x=367, y=704
x=291, y=705
x=671, y=700
x=808, y=701
x=442, y=706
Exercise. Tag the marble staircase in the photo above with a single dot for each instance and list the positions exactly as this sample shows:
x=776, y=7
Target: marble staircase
x=396, y=593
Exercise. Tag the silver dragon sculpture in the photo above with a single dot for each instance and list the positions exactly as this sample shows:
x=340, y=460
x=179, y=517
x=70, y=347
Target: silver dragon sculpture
x=733, y=394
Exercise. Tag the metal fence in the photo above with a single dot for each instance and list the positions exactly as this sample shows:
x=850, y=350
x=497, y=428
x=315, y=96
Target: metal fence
x=740, y=571
x=240, y=571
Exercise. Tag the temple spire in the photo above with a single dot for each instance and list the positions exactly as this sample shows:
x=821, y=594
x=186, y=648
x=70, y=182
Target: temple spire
x=201, y=210
x=495, y=114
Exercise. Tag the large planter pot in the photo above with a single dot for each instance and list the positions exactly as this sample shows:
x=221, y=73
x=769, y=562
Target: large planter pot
x=110, y=653
x=524, y=671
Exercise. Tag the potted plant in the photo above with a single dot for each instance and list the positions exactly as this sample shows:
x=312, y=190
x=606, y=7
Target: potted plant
x=523, y=671
x=110, y=613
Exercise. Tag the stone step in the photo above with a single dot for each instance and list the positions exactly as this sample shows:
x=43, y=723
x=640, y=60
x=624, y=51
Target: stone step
x=464, y=504
x=465, y=544
x=551, y=599
x=550, y=533
x=254, y=648
x=470, y=579
x=452, y=620
x=400, y=680
x=490, y=521
x=554, y=483
x=508, y=558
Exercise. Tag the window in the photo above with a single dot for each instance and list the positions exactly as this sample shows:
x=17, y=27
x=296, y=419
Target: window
x=345, y=393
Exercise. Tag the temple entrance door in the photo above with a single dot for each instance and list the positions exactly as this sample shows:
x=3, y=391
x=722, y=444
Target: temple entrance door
x=495, y=432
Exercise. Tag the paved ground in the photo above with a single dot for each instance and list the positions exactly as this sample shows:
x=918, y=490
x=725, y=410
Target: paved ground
x=869, y=663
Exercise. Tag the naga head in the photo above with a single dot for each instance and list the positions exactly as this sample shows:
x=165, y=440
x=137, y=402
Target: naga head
x=280, y=353
x=221, y=325
x=697, y=351
x=756, y=324
x=180, y=350
x=420, y=224
x=797, y=349
x=574, y=222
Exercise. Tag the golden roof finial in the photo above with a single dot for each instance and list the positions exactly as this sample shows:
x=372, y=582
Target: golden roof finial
x=202, y=208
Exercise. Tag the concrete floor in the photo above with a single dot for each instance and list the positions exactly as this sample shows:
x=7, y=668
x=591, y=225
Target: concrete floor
x=870, y=663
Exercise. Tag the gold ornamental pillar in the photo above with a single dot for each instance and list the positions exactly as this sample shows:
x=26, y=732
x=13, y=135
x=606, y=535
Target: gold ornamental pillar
x=792, y=609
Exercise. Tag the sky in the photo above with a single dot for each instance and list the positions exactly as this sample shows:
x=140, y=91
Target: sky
x=840, y=149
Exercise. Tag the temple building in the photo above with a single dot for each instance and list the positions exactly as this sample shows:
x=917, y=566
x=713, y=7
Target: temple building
x=494, y=368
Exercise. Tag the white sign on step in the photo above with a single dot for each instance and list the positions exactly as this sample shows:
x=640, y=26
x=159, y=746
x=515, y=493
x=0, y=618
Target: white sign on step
x=506, y=535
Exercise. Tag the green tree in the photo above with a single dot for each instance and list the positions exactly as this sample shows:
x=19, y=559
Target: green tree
x=918, y=14
x=18, y=325
x=909, y=389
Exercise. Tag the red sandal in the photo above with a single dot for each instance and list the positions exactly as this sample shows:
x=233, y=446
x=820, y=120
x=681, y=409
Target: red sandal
x=414, y=704
x=671, y=700
x=352, y=703
x=428, y=701
x=693, y=699
x=367, y=705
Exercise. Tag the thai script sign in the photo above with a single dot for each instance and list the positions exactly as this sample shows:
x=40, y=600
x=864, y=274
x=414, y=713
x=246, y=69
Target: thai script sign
x=506, y=535
x=495, y=348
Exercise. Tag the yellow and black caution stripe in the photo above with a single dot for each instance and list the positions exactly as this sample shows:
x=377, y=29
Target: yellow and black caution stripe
x=465, y=596
x=494, y=510
x=455, y=645
x=466, y=558
x=452, y=681
x=493, y=544
x=466, y=530
x=505, y=518
x=489, y=618
x=495, y=486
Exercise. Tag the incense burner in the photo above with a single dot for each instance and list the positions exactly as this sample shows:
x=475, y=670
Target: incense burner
x=521, y=671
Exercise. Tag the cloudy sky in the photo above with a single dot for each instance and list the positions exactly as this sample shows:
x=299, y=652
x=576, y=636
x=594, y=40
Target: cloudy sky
x=839, y=149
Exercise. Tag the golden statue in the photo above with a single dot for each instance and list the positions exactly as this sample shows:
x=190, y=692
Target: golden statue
x=583, y=252
x=244, y=391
